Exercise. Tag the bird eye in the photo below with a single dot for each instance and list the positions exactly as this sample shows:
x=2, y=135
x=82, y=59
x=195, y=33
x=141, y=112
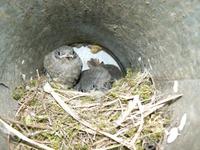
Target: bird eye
x=94, y=87
x=59, y=53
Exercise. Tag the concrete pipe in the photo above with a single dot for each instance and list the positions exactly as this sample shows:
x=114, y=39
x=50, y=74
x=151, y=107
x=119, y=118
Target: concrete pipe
x=161, y=36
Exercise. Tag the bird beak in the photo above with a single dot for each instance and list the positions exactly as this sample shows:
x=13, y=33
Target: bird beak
x=70, y=56
x=67, y=56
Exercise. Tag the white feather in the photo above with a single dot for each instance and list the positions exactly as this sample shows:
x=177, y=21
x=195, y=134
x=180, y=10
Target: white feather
x=173, y=134
x=175, y=87
x=182, y=122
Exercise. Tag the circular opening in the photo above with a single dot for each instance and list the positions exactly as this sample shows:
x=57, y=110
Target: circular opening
x=93, y=51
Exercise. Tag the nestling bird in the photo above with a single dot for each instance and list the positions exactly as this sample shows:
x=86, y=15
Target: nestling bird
x=63, y=66
x=99, y=77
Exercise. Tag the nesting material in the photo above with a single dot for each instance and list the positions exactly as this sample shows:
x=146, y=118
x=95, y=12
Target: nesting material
x=130, y=115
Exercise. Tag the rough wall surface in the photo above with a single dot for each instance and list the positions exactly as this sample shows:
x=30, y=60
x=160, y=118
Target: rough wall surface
x=162, y=36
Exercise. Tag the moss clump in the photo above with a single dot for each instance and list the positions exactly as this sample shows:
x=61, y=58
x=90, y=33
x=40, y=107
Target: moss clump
x=18, y=93
x=131, y=132
x=80, y=147
x=33, y=83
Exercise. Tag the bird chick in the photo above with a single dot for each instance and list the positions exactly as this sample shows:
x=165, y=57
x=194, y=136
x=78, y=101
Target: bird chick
x=63, y=66
x=99, y=77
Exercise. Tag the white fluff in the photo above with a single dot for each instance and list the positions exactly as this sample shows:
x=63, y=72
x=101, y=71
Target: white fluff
x=172, y=135
x=182, y=122
x=175, y=87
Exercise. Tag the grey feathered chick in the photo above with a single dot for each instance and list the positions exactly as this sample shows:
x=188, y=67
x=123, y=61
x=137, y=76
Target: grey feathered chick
x=63, y=65
x=99, y=77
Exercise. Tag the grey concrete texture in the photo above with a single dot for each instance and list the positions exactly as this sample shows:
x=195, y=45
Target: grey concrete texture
x=162, y=36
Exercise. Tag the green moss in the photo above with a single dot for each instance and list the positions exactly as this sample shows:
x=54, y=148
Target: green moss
x=52, y=137
x=33, y=83
x=139, y=145
x=129, y=73
x=145, y=91
x=56, y=85
x=33, y=102
x=87, y=99
x=28, y=120
x=131, y=132
x=115, y=116
x=81, y=147
x=113, y=94
x=18, y=93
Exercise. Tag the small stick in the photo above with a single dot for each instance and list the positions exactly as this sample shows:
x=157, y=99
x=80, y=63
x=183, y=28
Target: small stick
x=131, y=106
x=87, y=106
x=72, y=92
x=153, y=107
x=109, y=147
x=109, y=103
x=150, y=108
x=32, y=134
x=11, y=131
x=99, y=141
x=38, y=74
x=75, y=97
x=141, y=109
x=169, y=98
x=24, y=104
x=20, y=123
x=120, y=104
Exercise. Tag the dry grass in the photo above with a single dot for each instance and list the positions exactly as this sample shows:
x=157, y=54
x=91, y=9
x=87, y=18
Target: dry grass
x=129, y=116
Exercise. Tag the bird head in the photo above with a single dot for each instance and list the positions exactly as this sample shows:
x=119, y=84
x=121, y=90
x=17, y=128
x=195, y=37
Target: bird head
x=93, y=62
x=65, y=52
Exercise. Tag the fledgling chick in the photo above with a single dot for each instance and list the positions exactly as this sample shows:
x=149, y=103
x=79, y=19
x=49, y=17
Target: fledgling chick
x=99, y=77
x=63, y=66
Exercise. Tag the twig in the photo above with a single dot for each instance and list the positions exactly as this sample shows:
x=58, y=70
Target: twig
x=72, y=92
x=169, y=98
x=141, y=79
x=153, y=109
x=32, y=134
x=38, y=74
x=24, y=104
x=131, y=106
x=109, y=103
x=126, y=97
x=75, y=97
x=87, y=105
x=141, y=109
x=120, y=104
x=121, y=131
x=20, y=123
x=150, y=108
x=109, y=147
x=111, y=109
x=71, y=112
x=13, y=132
x=100, y=141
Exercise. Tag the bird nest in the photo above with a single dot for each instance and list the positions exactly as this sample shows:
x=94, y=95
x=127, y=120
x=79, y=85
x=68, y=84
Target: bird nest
x=131, y=115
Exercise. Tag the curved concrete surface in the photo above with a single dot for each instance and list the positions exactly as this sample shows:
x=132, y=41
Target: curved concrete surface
x=162, y=36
